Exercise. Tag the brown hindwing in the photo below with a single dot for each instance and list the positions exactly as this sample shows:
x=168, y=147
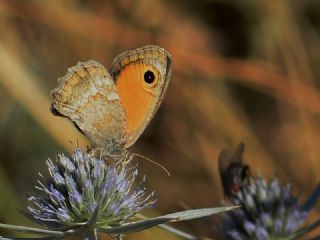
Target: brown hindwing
x=88, y=97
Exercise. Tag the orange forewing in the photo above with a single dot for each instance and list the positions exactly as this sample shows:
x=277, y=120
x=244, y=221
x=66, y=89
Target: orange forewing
x=137, y=97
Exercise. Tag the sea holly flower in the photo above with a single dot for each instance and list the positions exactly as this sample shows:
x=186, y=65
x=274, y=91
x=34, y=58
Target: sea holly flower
x=269, y=210
x=81, y=184
x=89, y=193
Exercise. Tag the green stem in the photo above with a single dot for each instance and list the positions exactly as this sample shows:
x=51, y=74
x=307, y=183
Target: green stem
x=31, y=230
x=91, y=235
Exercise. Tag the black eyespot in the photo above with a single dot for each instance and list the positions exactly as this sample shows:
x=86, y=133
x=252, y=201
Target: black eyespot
x=149, y=77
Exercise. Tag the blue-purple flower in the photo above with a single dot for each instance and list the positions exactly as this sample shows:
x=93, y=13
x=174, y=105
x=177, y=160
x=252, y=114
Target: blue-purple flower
x=85, y=186
x=268, y=210
x=89, y=193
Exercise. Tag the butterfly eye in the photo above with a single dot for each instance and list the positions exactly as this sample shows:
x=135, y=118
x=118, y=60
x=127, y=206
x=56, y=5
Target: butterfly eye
x=149, y=77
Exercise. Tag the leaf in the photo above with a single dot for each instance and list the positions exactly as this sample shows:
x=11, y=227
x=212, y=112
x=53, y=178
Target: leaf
x=173, y=217
x=196, y=213
x=35, y=238
x=133, y=227
x=30, y=230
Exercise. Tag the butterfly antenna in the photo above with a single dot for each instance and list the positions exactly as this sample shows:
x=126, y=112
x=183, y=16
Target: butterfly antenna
x=72, y=143
x=155, y=163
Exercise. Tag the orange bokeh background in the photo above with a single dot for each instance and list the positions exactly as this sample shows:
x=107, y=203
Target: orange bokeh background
x=242, y=71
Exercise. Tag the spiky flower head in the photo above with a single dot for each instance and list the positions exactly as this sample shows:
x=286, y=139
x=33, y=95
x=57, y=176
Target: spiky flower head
x=84, y=185
x=269, y=211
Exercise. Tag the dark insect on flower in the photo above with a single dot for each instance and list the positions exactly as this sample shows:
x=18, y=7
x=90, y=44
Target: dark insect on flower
x=233, y=173
x=80, y=185
x=268, y=210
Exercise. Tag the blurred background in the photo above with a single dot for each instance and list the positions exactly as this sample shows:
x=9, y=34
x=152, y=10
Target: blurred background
x=243, y=71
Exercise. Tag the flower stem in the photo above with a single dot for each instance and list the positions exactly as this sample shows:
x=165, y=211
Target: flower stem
x=90, y=235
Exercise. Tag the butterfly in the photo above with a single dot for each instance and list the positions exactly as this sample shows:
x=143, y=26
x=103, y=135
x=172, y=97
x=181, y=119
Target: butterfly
x=113, y=108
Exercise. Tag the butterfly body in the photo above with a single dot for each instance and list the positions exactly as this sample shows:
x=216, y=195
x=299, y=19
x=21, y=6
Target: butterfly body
x=112, y=110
